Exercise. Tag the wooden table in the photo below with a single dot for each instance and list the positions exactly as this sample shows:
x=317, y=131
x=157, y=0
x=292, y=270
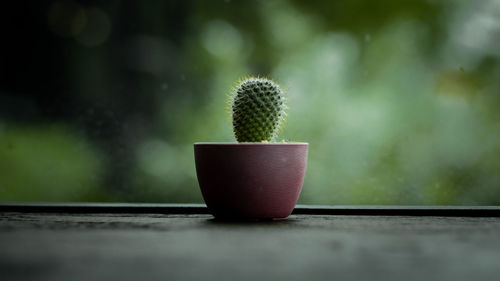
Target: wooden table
x=183, y=242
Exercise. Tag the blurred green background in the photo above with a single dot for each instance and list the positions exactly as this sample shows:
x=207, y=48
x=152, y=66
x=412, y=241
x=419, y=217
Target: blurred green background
x=103, y=100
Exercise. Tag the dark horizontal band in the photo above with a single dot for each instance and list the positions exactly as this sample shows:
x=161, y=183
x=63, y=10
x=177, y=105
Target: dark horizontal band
x=143, y=208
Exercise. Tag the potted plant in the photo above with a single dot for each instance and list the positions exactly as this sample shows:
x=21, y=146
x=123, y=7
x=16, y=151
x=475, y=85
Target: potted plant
x=257, y=177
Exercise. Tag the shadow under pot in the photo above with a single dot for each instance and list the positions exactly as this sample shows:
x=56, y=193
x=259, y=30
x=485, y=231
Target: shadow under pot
x=250, y=180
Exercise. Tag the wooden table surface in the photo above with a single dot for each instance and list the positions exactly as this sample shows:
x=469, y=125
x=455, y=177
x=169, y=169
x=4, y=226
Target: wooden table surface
x=140, y=246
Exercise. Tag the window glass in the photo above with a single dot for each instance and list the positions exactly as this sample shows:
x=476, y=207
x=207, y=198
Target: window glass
x=101, y=101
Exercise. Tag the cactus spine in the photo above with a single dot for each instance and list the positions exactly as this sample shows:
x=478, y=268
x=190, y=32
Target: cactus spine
x=258, y=110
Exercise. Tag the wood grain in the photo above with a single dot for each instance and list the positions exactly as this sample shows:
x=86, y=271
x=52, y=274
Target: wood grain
x=119, y=246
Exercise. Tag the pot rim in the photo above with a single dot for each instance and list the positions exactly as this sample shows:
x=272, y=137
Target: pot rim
x=251, y=143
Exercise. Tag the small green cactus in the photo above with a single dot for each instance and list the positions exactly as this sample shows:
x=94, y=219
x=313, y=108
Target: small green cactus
x=258, y=110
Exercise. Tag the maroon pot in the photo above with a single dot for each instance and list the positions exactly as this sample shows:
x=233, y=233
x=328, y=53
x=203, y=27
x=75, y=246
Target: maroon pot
x=250, y=180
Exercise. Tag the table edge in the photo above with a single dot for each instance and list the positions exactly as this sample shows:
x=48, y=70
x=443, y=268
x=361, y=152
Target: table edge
x=163, y=208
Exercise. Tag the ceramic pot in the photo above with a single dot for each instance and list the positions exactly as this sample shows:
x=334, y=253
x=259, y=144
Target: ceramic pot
x=250, y=180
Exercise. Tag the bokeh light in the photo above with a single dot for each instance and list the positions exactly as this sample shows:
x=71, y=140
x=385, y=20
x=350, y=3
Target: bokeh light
x=398, y=99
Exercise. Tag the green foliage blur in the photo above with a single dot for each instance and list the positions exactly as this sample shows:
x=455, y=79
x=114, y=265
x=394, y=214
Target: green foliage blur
x=399, y=100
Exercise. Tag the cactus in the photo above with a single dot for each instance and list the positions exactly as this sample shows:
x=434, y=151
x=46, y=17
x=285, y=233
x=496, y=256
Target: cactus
x=258, y=110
